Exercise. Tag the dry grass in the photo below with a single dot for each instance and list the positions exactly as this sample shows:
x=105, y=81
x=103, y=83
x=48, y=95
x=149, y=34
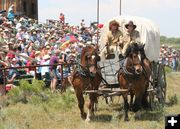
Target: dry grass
x=49, y=116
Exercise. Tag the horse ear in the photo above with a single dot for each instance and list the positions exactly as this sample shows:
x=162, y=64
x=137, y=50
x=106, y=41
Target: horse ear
x=143, y=45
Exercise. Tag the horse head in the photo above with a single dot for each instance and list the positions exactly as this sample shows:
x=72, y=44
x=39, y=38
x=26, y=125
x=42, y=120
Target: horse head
x=134, y=57
x=89, y=58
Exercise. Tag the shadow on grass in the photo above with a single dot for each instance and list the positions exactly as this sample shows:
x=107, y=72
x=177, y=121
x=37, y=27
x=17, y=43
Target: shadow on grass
x=102, y=118
x=173, y=100
x=149, y=115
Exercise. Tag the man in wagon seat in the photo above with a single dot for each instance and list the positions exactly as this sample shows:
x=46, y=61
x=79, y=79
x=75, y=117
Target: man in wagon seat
x=114, y=38
x=130, y=36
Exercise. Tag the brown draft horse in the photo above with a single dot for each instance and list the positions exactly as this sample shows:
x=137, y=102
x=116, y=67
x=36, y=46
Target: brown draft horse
x=134, y=76
x=87, y=76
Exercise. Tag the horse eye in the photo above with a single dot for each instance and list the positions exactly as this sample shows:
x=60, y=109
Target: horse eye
x=88, y=57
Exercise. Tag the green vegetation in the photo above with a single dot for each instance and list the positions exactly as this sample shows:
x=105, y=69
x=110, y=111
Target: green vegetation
x=168, y=69
x=174, y=42
x=165, y=39
x=31, y=106
x=36, y=94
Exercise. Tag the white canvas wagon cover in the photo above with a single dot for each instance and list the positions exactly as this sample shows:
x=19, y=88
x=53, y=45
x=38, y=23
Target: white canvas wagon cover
x=149, y=34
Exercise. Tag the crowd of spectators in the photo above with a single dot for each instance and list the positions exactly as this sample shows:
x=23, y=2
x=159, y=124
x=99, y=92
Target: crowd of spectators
x=169, y=57
x=25, y=42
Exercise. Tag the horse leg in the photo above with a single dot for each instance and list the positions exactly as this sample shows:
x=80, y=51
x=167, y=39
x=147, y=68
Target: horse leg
x=96, y=104
x=126, y=107
x=93, y=99
x=80, y=99
x=137, y=103
x=145, y=103
x=131, y=101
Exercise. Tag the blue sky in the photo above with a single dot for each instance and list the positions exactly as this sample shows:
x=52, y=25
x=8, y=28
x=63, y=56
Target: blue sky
x=165, y=13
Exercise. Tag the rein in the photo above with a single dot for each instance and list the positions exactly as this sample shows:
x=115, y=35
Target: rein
x=85, y=69
x=125, y=69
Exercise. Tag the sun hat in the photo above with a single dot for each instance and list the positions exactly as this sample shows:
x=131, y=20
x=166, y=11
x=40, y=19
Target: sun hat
x=130, y=24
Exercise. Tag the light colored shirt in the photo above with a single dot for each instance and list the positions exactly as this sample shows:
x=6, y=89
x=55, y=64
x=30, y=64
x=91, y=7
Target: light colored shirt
x=131, y=37
x=114, y=39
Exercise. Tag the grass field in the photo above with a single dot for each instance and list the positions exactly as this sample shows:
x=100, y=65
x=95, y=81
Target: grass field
x=61, y=112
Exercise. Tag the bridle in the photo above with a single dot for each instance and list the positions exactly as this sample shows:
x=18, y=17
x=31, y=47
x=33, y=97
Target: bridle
x=85, y=68
x=133, y=72
x=93, y=56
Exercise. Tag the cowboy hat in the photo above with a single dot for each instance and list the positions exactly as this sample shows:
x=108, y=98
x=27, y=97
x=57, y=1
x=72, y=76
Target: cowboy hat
x=130, y=24
x=67, y=50
x=6, y=30
x=14, y=60
x=113, y=23
x=80, y=44
x=37, y=52
x=88, y=43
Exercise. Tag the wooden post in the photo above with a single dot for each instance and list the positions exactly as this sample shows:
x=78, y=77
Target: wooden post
x=120, y=7
x=4, y=78
x=35, y=72
x=61, y=75
x=97, y=22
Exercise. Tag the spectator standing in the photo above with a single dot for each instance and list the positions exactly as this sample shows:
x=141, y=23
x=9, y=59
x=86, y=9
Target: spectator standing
x=54, y=60
x=62, y=18
x=82, y=24
x=174, y=61
x=11, y=14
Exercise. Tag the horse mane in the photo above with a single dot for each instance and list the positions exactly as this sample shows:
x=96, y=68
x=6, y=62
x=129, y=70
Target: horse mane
x=142, y=51
x=135, y=48
x=132, y=48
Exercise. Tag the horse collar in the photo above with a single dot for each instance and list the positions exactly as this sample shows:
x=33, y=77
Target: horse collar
x=125, y=69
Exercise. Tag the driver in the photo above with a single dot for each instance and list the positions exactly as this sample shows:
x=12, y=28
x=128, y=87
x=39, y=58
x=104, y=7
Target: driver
x=130, y=36
x=114, y=37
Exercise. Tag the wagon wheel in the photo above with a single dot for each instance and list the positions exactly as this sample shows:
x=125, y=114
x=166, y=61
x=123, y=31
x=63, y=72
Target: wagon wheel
x=161, y=84
x=152, y=85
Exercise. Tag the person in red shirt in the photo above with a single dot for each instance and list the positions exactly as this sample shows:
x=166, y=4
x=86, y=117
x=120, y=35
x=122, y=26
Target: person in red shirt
x=31, y=71
x=62, y=18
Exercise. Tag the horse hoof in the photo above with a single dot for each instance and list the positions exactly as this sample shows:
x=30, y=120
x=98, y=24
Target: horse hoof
x=137, y=115
x=131, y=109
x=126, y=119
x=92, y=115
x=83, y=116
x=135, y=109
x=88, y=120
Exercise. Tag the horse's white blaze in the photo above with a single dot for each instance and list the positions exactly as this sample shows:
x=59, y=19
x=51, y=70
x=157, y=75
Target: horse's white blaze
x=136, y=70
x=93, y=57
